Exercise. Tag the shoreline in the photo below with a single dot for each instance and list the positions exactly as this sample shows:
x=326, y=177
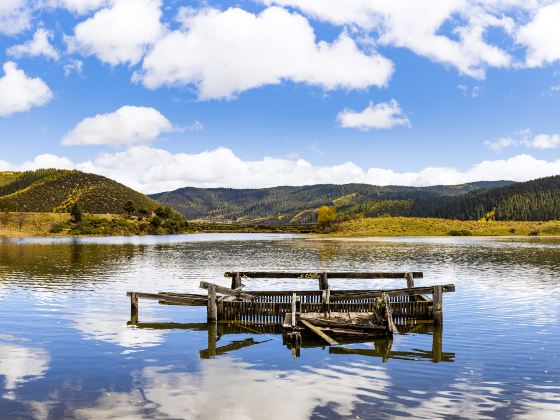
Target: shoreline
x=381, y=227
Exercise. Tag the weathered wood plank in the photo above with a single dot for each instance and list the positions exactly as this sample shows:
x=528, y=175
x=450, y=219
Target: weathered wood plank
x=317, y=275
x=355, y=294
x=170, y=298
x=228, y=292
x=320, y=333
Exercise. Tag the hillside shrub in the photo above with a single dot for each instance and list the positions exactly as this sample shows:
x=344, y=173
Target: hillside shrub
x=463, y=232
x=326, y=215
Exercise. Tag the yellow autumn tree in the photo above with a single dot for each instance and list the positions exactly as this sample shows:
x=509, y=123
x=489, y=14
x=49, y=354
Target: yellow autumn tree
x=326, y=215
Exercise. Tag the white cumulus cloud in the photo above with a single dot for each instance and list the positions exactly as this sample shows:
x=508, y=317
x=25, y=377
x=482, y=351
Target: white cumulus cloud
x=227, y=52
x=39, y=45
x=119, y=34
x=19, y=93
x=419, y=27
x=383, y=115
x=541, y=36
x=15, y=16
x=152, y=170
x=127, y=125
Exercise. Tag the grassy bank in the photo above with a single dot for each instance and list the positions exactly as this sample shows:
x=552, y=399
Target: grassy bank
x=60, y=224
x=15, y=225
x=416, y=226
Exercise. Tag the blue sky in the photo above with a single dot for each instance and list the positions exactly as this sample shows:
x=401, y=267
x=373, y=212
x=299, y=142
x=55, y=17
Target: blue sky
x=165, y=94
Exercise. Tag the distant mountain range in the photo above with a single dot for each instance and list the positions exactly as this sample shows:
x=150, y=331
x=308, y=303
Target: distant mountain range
x=533, y=200
x=299, y=204
x=53, y=190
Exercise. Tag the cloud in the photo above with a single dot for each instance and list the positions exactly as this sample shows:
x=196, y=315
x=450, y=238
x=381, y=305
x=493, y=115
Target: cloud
x=152, y=170
x=467, y=92
x=383, y=115
x=77, y=6
x=126, y=126
x=73, y=66
x=227, y=52
x=15, y=16
x=38, y=46
x=19, y=93
x=544, y=141
x=501, y=144
x=526, y=138
x=119, y=34
x=540, y=36
x=447, y=31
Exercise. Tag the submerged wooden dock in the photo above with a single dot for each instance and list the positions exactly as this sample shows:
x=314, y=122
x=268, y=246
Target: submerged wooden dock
x=317, y=315
x=409, y=304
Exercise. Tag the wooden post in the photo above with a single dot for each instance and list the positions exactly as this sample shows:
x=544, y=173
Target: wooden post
x=323, y=281
x=133, y=308
x=409, y=280
x=438, y=304
x=410, y=285
x=326, y=300
x=294, y=310
x=212, y=304
x=236, y=281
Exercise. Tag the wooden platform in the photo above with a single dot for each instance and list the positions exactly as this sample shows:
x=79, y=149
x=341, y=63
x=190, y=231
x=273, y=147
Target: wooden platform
x=409, y=305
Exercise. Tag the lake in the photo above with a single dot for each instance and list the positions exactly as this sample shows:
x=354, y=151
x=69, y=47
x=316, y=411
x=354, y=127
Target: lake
x=66, y=349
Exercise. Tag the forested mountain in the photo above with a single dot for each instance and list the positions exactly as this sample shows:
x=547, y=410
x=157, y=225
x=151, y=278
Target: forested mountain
x=533, y=200
x=299, y=204
x=53, y=190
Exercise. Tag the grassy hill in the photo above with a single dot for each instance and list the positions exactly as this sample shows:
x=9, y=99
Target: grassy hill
x=53, y=190
x=299, y=204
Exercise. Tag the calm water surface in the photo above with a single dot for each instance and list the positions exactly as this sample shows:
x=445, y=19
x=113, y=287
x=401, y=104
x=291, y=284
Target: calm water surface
x=66, y=350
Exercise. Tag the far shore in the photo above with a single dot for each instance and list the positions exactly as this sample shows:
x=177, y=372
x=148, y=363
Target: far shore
x=40, y=225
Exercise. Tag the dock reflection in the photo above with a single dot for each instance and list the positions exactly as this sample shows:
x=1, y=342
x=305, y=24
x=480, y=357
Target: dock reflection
x=381, y=348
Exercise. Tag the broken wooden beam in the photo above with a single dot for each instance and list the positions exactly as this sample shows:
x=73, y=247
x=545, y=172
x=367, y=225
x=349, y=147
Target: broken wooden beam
x=228, y=292
x=320, y=333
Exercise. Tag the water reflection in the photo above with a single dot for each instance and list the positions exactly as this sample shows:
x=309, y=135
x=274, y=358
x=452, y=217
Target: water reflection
x=227, y=388
x=20, y=363
x=110, y=328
